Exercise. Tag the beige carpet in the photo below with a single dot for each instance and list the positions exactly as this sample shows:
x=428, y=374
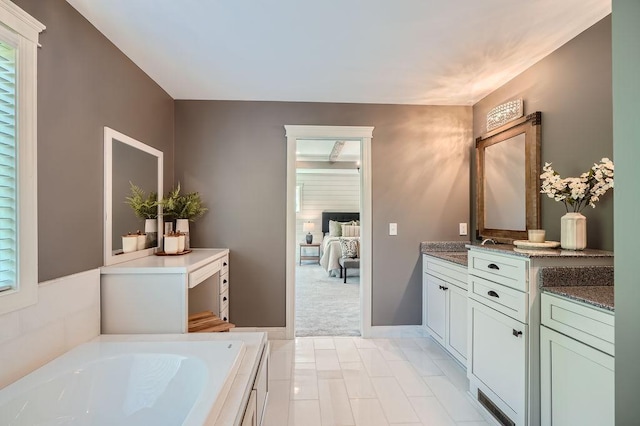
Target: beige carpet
x=325, y=306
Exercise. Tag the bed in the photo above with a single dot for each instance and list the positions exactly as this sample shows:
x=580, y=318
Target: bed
x=330, y=250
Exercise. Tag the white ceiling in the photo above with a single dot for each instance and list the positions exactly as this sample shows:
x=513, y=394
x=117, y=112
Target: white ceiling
x=427, y=52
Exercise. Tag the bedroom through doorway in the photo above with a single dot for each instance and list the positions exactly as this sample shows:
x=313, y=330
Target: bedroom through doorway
x=327, y=276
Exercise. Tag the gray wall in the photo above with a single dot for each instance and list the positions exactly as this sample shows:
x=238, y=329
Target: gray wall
x=84, y=83
x=234, y=153
x=572, y=88
x=626, y=104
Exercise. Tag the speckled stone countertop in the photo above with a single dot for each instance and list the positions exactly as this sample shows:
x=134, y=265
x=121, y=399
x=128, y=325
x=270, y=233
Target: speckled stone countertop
x=452, y=251
x=587, y=284
x=511, y=249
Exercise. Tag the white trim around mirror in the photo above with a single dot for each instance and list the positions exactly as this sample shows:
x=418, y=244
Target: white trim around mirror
x=109, y=136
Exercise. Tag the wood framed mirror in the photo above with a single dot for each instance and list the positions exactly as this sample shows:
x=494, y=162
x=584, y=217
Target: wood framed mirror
x=508, y=180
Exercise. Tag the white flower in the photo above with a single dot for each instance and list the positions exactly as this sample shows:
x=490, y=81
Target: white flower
x=578, y=192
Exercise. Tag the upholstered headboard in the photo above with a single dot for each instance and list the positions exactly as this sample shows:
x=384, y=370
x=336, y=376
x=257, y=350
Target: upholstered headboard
x=337, y=216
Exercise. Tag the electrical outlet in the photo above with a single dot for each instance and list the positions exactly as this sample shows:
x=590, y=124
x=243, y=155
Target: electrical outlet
x=463, y=228
x=393, y=229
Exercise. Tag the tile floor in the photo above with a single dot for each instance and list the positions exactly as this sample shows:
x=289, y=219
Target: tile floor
x=355, y=381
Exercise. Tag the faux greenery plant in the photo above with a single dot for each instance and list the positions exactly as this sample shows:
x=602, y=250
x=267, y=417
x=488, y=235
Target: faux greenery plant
x=188, y=206
x=144, y=207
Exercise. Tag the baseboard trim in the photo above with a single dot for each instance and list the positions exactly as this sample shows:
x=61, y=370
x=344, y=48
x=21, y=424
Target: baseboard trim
x=273, y=333
x=384, y=331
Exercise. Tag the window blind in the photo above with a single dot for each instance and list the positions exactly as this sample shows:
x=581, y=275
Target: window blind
x=8, y=169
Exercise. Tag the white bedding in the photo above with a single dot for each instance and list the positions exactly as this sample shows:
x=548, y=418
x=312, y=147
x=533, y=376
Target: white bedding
x=331, y=253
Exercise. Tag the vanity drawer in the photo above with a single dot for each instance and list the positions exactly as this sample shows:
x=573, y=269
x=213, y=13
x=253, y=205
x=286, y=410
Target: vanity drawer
x=446, y=271
x=224, y=283
x=505, y=270
x=504, y=299
x=224, y=262
x=201, y=274
x=590, y=325
x=224, y=314
x=224, y=300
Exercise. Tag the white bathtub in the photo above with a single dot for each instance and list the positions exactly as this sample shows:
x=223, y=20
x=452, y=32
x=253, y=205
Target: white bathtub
x=126, y=383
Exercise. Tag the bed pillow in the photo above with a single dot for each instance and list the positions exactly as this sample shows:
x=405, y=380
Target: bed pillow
x=349, y=247
x=350, y=231
x=335, y=227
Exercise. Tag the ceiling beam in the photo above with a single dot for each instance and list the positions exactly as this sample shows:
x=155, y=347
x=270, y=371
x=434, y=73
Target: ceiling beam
x=335, y=152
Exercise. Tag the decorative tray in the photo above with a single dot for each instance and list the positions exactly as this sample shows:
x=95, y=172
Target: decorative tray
x=531, y=245
x=161, y=253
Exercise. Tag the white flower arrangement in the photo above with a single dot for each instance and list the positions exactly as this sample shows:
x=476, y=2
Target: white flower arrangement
x=578, y=192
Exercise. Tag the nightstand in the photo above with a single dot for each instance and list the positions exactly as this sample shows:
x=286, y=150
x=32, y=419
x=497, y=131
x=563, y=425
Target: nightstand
x=316, y=257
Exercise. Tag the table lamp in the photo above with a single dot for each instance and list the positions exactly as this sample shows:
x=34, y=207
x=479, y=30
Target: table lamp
x=308, y=227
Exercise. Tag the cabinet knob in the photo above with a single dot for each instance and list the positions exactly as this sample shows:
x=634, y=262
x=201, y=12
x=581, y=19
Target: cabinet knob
x=224, y=281
x=443, y=287
x=493, y=266
x=225, y=319
x=517, y=333
x=224, y=299
x=224, y=263
x=493, y=294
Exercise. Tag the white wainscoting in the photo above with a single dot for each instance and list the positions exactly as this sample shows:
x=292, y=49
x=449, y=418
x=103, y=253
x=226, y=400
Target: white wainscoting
x=66, y=315
x=325, y=192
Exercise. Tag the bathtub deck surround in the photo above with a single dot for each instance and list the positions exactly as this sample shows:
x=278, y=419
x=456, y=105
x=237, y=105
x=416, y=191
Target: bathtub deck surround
x=222, y=371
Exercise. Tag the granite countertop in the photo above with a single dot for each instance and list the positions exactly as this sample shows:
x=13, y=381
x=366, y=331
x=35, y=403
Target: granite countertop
x=451, y=251
x=511, y=249
x=588, y=284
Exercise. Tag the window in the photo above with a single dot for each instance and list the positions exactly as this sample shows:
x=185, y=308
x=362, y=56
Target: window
x=298, y=198
x=18, y=190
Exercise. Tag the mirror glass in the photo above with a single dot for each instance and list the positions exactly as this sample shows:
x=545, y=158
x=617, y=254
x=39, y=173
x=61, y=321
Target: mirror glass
x=508, y=169
x=128, y=161
x=504, y=185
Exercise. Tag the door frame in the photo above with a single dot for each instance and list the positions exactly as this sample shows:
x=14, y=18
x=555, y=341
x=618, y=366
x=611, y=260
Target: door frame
x=364, y=135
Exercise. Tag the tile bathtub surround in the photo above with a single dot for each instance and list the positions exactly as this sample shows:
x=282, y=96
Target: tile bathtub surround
x=66, y=315
x=355, y=381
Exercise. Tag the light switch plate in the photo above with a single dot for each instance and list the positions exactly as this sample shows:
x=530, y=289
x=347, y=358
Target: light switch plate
x=463, y=228
x=393, y=229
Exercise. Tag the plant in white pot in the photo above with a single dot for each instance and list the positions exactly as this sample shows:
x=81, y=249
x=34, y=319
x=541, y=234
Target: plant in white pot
x=184, y=209
x=576, y=193
x=146, y=208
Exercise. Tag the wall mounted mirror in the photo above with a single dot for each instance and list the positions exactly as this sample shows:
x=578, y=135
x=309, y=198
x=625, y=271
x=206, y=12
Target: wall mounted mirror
x=127, y=161
x=508, y=180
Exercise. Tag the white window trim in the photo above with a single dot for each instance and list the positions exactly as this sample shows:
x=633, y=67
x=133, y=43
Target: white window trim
x=27, y=29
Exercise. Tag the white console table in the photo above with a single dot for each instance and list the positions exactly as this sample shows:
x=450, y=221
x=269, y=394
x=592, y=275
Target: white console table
x=156, y=294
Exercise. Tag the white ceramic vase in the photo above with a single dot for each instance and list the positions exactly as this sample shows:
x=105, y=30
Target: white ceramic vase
x=142, y=239
x=573, y=231
x=182, y=226
x=129, y=243
x=171, y=244
x=151, y=229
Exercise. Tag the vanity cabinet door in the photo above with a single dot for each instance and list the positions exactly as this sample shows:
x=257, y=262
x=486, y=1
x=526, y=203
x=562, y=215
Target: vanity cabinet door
x=498, y=347
x=577, y=382
x=457, y=336
x=435, y=291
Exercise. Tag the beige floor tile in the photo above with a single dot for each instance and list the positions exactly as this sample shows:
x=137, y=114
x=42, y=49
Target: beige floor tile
x=396, y=406
x=304, y=413
x=335, y=408
x=368, y=412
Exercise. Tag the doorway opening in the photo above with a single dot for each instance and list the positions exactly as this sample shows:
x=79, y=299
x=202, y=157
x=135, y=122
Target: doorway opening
x=327, y=283
x=328, y=179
